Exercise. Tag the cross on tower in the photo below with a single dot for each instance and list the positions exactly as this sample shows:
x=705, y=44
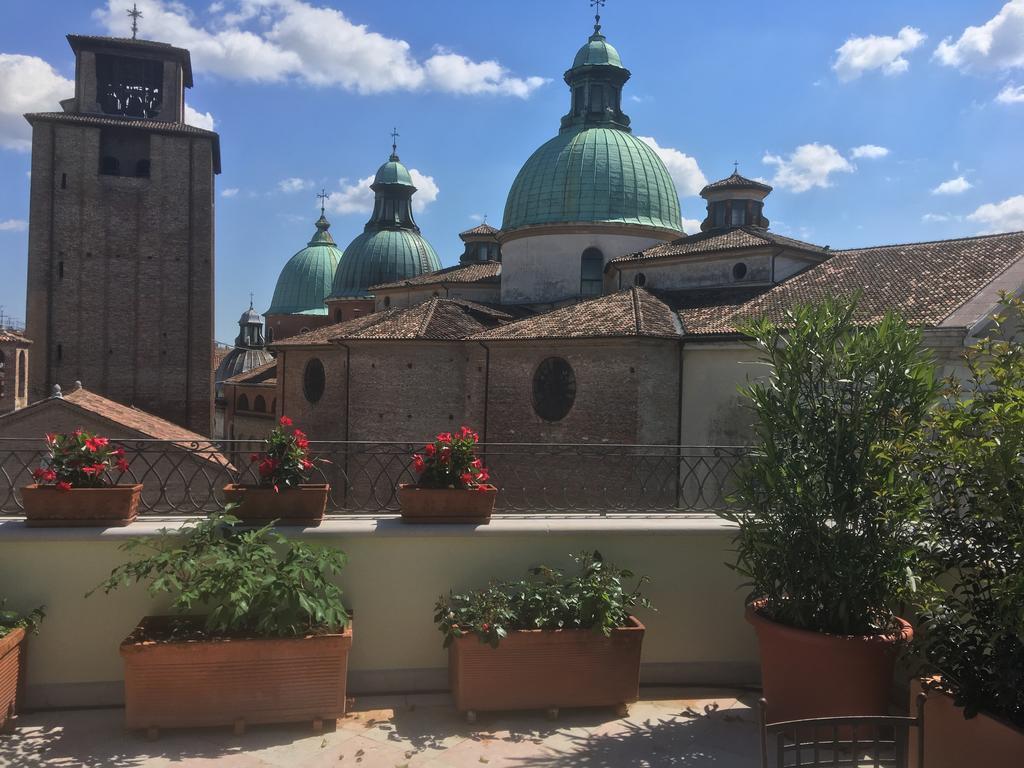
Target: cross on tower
x=251, y=297
x=324, y=196
x=597, y=5
x=735, y=166
x=394, y=140
x=136, y=14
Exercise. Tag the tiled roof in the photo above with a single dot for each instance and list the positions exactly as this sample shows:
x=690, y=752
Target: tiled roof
x=480, y=272
x=263, y=374
x=923, y=282
x=110, y=121
x=134, y=419
x=721, y=240
x=735, y=181
x=633, y=312
x=13, y=337
x=434, y=319
x=480, y=229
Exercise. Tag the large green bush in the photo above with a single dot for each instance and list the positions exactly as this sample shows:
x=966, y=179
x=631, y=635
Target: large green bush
x=828, y=501
x=242, y=582
x=973, y=628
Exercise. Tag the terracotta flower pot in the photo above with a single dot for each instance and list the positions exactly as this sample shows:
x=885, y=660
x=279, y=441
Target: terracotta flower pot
x=812, y=674
x=547, y=669
x=446, y=505
x=229, y=681
x=47, y=506
x=951, y=741
x=304, y=505
x=10, y=669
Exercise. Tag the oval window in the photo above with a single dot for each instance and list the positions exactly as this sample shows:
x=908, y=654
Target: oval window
x=313, y=380
x=554, y=389
x=739, y=271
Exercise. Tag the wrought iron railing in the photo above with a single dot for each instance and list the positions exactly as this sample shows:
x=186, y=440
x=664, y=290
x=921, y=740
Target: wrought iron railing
x=188, y=478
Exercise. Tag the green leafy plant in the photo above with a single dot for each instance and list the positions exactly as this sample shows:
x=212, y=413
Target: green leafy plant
x=972, y=620
x=12, y=620
x=594, y=598
x=450, y=461
x=79, y=460
x=284, y=461
x=828, y=501
x=243, y=582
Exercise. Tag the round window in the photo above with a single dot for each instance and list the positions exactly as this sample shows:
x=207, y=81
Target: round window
x=640, y=280
x=313, y=380
x=554, y=389
x=739, y=271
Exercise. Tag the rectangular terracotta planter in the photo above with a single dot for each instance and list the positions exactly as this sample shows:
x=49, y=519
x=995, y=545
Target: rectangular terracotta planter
x=192, y=683
x=547, y=669
x=950, y=741
x=446, y=505
x=10, y=670
x=49, y=507
x=304, y=505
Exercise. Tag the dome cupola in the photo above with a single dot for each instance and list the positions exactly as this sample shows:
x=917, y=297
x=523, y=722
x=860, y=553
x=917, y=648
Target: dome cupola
x=595, y=81
x=390, y=247
x=306, y=279
x=248, y=352
x=735, y=201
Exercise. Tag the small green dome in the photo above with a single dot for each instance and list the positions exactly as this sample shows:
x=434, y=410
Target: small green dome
x=597, y=51
x=393, y=172
x=382, y=256
x=593, y=175
x=306, y=279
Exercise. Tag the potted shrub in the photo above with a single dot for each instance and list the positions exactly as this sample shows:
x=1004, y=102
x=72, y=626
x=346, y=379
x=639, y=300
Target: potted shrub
x=260, y=634
x=13, y=627
x=545, y=642
x=827, y=504
x=283, y=493
x=452, y=485
x=73, y=485
x=972, y=619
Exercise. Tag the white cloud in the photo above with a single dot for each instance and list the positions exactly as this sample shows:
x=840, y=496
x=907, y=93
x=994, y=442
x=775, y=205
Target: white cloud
x=1011, y=94
x=275, y=40
x=357, y=197
x=869, y=151
x=1005, y=216
x=956, y=186
x=198, y=119
x=13, y=225
x=294, y=184
x=682, y=168
x=861, y=54
x=938, y=218
x=27, y=84
x=809, y=165
x=996, y=44
x=691, y=226
x=230, y=192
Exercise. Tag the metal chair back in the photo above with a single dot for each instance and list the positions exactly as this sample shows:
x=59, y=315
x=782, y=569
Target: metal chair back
x=846, y=742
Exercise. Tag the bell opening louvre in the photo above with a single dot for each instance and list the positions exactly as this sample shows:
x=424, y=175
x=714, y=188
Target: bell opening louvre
x=129, y=87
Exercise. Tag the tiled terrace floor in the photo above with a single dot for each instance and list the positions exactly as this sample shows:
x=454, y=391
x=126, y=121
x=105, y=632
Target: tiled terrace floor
x=668, y=727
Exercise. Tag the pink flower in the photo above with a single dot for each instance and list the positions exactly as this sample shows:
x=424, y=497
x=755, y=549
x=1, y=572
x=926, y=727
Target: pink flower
x=64, y=485
x=285, y=421
x=95, y=443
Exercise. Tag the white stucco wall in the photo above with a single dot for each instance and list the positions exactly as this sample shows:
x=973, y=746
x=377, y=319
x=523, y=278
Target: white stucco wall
x=546, y=267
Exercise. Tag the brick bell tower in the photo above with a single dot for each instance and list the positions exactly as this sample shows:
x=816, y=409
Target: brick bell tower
x=120, y=263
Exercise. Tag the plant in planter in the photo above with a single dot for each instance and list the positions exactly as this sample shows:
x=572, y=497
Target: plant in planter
x=13, y=627
x=547, y=641
x=452, y=486
x=261, y=634
x=828, y=503
x=73, y=485
x=283, y=493
x=972, y=617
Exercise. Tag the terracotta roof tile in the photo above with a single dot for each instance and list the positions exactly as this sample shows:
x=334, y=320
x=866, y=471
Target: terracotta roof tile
x=735, y=181
x=481, y=272
x=13, y=337
x=261, y=374
x=633, y=312
x=137, y=420
x=721, y=240
x=923, y=282
x=480, y=229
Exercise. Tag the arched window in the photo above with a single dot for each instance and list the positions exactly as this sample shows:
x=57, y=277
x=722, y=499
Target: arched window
x=337, y=315
x=591, y=273
x=242, y=404
x=259, y=404
x=270, y=334
x=314, y=380
x=554, y=389
x=640, y=280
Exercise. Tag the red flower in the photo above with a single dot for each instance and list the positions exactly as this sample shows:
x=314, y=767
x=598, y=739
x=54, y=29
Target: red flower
x=93, y=469
x=465, y=432
x=285, y=421
x=466, y=478
x=119, y=452
x=267, y=467
x=51, y=438
x=483, y=476
x=122, y=464
x=64, y=485
x=254, y=457
x=444, y=437
x=485, y=627
x=276, y=489
x=307, y=464
x=476, y=464
x=430, y=449
x=95, y=443
x=417, y=463
x=44, y=475
x=302, y=442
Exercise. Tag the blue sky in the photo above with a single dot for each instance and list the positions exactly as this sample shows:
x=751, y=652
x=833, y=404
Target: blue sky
x=877, y=121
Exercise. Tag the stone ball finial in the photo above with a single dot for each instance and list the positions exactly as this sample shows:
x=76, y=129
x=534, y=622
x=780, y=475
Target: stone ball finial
x=56, y=391
x=78, y=384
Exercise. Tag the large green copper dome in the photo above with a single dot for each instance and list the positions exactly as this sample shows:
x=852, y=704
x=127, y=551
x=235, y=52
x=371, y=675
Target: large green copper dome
x=306, y=279
x=595, y=170
x=390, y=247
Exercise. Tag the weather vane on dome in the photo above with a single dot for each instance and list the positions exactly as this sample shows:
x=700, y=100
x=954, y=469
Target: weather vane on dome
x=251, y=297
x=324, y=196
x=136, y=14
x=597, y=5
x=394, y=141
